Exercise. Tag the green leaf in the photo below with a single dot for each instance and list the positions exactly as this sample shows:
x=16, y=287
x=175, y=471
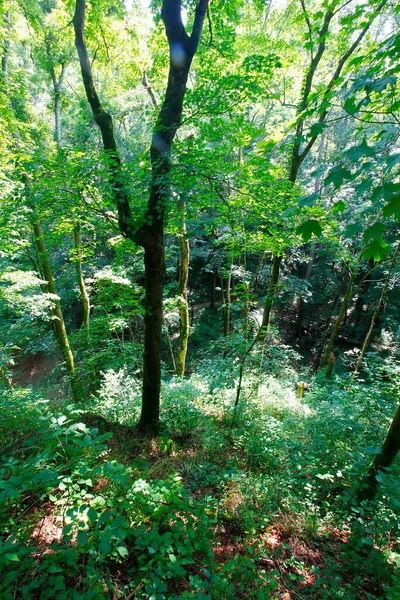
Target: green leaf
x=374, y=232
x=122, y=550
x=104, y=545
x=308, y=200
x=338, y=207
x=13, y=557
x=308, y=229
x=378, y=250
x=350, y=106
x=317, y=129
x=364, y=186
x=367, y=541
x=82, y=538
x=99, y=500
x=172, y=558
x=92, y=514
x=392, y=209
x=352, y=230
x=337, y=176
x=357, y=152
x=380, y=84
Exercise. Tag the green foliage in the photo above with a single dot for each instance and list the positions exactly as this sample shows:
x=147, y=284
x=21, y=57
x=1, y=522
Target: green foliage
x=249, y=501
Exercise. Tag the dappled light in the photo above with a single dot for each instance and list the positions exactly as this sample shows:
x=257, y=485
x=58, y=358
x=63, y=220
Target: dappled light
x=199, y=300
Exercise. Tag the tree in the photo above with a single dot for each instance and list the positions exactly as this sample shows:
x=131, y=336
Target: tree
x=382, y=460
x=149, y=231
x=313, y=107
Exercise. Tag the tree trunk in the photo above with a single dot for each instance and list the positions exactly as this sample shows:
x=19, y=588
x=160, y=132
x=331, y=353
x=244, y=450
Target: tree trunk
x=339, y=320
x=183, y=305
x=246, y=303
x=269, y=300
x=307, y=277
x=246, y=296
x=375, y=316
x=226, y=302
x=154, y=269
x=81, y=282
x=58, y=317
x=382, y=460
x=213, y=287
x=57, y=117
x=6, y=51
x=149, y=232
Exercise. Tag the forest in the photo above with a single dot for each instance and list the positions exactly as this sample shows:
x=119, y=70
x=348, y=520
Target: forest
x=199, y=299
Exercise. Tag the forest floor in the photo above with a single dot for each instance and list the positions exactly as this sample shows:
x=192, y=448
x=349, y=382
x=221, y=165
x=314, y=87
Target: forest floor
x=33, y=369
x=258, y=503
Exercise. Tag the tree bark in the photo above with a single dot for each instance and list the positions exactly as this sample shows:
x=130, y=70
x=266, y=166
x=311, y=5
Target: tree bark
x=183, y=305
x=339, y=320
x=213, y=287
x=375, y=316
x=149, y=232
x=58, y=317
x=269, y=301
x=382, y=460
x=226, y=303
x=153, y=315
x=81, y=281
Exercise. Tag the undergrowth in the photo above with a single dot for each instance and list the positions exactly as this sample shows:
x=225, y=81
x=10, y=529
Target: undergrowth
x=253, y=503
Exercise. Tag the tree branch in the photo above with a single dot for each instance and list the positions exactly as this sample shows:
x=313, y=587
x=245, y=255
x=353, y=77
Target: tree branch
x=104, y=122
x=336, y=76
x=307, y=19
x=171, y=14
x=201, y=11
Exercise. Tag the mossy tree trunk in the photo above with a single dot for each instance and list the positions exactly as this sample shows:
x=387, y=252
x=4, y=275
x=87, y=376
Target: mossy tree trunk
x=58, y=322
x=383, y=460
x=81, y=281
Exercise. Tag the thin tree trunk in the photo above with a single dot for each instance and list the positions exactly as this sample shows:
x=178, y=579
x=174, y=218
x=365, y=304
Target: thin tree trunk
x=382, y=460
x=339, y=320
x=57, y=117
x=269, y=301
x=183, y=305
x=375, y=315
x=58, y=317
x=213, y=288
x=246, y=296
x=81, y=281
x=226, y=302
x=57, y=89
x=170, y=348
x=307, y=277
x=85, y=303
x=153, y=315
x=246, y=302
x=6, y=51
